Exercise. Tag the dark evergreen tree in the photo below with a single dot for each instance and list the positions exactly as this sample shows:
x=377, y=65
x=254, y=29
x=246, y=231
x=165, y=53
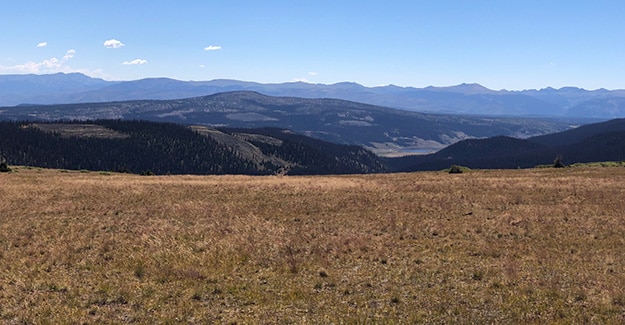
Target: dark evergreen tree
x=4, y=167
x=557, y=163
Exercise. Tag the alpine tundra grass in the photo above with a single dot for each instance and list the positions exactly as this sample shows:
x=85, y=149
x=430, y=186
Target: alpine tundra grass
x=501, y=246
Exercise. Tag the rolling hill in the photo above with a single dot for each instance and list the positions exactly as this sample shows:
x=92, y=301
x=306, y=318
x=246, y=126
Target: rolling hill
x=166, y=148
x=589, y=143
x=380, y=129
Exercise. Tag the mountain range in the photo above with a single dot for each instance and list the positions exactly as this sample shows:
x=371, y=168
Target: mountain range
x=472, y=99
x=386, y=131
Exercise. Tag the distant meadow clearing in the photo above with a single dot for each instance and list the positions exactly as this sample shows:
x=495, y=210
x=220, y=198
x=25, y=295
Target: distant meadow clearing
x=499, y=246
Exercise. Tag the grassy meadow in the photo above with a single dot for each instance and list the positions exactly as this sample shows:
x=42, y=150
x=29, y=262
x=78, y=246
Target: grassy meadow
x=500, y=246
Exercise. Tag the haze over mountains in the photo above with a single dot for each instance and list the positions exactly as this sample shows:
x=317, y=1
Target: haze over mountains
x=474, y=126
x=461, y=99
x=381, y=129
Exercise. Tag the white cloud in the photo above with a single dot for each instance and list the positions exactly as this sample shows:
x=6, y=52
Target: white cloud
x=69, y=54
x=304, y=80
x=202, y=66
x=113, y=44
x=212, y=48
x=42, y=44
x=51, y=65
x=135, y=62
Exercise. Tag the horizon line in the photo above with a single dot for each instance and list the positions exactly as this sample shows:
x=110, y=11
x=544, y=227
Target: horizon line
x=318, y=83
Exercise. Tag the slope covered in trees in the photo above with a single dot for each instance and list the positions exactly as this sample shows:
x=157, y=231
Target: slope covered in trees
x=382, y=130
x=166, y=148
x=590, y=143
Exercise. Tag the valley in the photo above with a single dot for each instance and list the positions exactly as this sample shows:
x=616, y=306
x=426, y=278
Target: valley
x=139, y=147
x=312, y=162
x=382, y=130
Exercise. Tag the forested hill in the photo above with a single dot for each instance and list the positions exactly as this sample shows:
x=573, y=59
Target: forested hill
x=589, y=143
x=167, y=148
x=382, y=130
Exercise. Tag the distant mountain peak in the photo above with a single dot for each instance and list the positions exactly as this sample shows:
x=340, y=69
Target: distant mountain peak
x=472, y=88
x=464, y=88
x=348, y=85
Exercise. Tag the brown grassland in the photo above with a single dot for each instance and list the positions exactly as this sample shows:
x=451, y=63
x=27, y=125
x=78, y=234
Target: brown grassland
x=501, y=246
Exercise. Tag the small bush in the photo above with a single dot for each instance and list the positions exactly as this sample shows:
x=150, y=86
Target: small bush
x=4, y=167
x=478, y=275
x=455, y=169
x=139, y=270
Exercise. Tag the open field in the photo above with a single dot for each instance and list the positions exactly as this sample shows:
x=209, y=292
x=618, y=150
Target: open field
x=516, y=246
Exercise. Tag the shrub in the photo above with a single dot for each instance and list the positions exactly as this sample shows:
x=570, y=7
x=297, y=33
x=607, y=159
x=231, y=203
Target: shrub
x=455, y=169
x=147, y=173
x=4, y=167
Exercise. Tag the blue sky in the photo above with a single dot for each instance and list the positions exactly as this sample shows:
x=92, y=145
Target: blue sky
x=510, y=45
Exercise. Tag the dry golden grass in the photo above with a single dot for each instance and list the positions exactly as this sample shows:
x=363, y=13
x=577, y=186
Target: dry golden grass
x=519, y=246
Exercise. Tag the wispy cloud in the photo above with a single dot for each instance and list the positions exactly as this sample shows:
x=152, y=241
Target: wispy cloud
x=212, y=48
x=42, y=44
x=312, y=73
x=113, y=44
x=69, y=54
x=135, y=62
x=51, y=65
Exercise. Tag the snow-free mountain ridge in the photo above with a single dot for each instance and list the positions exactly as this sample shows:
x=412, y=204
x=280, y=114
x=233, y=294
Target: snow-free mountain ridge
x=382, y=129
x=468, y=98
